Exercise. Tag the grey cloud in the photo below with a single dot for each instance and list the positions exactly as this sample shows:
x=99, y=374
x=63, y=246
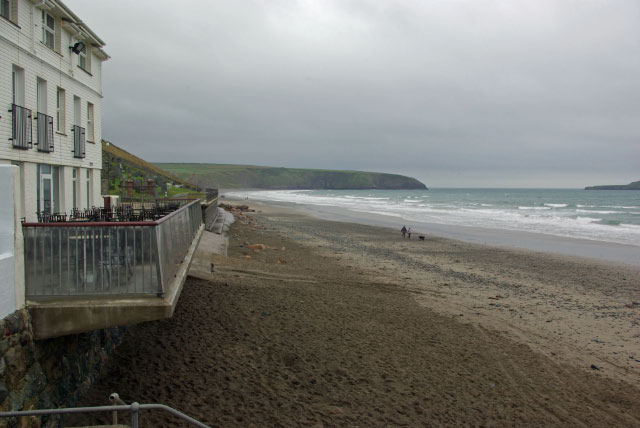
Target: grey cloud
x=459, y=93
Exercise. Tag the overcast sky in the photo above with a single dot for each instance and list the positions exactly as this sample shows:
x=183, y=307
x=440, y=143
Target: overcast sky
x=458, y=93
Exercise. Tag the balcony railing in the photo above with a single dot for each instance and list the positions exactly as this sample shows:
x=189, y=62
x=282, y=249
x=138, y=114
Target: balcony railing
x=78, y=141
x=21, y=118
x=75, y=258
x=45, y=133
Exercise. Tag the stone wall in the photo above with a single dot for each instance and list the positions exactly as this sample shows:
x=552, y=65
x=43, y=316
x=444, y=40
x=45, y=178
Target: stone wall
x=48, y=373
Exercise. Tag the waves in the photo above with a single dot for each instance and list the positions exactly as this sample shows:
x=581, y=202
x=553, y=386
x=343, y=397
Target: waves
x=570, y=213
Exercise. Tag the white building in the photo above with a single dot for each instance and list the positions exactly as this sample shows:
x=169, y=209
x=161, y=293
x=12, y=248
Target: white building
x=51, y=91
x=50, y=122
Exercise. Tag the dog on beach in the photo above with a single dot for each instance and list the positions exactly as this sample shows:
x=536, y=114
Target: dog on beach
x=421, y=238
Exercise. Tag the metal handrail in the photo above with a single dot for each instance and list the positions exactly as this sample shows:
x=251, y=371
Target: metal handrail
x=176, y=212
x=133, y=408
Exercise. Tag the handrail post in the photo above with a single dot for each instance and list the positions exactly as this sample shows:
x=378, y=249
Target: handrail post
x=135, y=410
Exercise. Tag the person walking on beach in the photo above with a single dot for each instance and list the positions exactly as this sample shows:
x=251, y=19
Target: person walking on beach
x=409, y=233
x=404, y=231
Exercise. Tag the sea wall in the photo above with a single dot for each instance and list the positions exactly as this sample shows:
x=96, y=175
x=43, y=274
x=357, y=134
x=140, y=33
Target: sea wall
x=48, y=373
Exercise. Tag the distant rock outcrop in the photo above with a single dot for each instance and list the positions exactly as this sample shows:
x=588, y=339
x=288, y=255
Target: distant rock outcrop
x=631, y=186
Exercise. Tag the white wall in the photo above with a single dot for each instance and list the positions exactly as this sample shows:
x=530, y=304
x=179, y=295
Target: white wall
x=21, y=45
x=7, y=242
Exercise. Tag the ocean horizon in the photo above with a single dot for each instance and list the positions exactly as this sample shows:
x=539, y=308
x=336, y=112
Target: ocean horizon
x=599, y=215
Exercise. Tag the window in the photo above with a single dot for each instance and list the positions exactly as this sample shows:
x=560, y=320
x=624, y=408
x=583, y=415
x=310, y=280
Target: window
x=74, y=189
x=82, y=58
x=9, y=10
x=48, y=30
x=5, y=9
x=45, y=122
x=88, y=188
x=41, y=95
x=17, y=76
x=20, y=116
x=76, y=110
x=78, y=131
x=90, y=136
x=60, y=110
x=48, y=189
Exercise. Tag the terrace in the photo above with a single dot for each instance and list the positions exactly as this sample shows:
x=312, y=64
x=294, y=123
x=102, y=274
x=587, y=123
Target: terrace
x=106, y=267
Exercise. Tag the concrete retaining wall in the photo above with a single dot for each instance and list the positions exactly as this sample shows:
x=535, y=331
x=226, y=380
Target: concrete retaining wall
x=209, y=213
x=48, y=373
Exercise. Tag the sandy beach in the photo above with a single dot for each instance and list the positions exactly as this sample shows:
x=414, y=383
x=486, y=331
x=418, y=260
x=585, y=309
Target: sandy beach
x=338, y=324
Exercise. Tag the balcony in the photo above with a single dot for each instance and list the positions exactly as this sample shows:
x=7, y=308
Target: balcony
x=45, y=133
x=104, y=268
x=21, y=119
x=78, y=141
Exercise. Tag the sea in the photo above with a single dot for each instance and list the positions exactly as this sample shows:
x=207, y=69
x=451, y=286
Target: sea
x=598, y=215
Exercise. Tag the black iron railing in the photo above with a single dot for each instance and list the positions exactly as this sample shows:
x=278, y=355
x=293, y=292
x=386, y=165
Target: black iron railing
x=21, y=118
x=45, y=133
x=78, y=141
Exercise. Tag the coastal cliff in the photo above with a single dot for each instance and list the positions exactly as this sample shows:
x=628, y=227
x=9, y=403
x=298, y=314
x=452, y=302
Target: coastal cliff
x=631, y=186
x=262, y=177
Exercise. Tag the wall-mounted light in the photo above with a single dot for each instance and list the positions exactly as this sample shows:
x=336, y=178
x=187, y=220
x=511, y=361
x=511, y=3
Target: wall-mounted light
x=77, y=48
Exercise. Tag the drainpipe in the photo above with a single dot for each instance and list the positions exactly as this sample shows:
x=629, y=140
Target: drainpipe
x=33, y=24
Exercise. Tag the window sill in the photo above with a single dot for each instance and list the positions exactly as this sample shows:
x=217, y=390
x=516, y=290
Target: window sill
x=10, y=22
x=61, y=133
x=92, y=142
x=52, y=50
x=86, y=71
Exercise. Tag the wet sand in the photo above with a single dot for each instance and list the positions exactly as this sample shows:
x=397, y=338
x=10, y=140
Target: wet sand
x=338, y=324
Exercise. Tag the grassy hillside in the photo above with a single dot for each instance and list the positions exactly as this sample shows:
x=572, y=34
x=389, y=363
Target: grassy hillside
x=261, y=177
x=118, y=165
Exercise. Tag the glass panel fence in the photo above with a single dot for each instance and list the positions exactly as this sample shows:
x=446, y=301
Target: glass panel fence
x=87, y=260
x=99, y=259
x=175, y=234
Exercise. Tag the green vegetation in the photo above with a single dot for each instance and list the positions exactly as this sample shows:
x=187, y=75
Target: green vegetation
x=631, y=186
x=119, y=166
x=173, y=192
x=262, y=177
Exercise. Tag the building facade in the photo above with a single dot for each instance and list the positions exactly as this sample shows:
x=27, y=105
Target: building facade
x=51, y=91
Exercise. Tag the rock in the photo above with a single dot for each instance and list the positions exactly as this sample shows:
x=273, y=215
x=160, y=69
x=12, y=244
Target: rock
x=35, y=381
x=594, y=367
x=4, y=345
x=257, y=246
x=15, y=323
x=4, y=391
x=15, y=400
x=16, y=364
x=334, y=410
